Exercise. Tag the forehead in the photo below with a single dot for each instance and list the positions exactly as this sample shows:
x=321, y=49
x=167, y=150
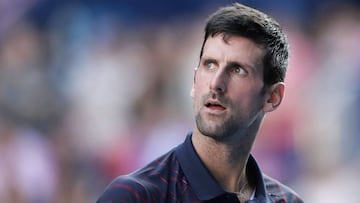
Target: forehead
x=234, y=48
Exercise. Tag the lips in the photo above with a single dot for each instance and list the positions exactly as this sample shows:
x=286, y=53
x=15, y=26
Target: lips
x=214, y=105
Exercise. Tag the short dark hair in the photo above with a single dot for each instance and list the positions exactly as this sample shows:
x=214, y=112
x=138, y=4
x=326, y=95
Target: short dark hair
x=244, y=21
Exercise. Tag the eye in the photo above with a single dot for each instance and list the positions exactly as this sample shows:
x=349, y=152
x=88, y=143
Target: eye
x=239, y=70
x=209, y=65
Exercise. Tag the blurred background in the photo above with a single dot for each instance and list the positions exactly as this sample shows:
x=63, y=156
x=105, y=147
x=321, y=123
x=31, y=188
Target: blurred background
x=93, y=89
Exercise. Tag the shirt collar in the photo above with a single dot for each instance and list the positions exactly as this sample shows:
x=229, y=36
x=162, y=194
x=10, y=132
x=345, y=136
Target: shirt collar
x=203, y=183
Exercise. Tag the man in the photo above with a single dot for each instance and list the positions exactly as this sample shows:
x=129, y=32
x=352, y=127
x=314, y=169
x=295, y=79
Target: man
x=239, y=79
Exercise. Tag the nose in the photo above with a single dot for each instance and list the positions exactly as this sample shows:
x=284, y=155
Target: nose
x=218, y=81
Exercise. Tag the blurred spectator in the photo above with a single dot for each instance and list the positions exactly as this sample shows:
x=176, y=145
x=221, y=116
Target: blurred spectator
x=27, y=165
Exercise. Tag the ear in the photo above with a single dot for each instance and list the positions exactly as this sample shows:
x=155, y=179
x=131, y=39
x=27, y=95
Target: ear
x=274, y=96
x=192, y=92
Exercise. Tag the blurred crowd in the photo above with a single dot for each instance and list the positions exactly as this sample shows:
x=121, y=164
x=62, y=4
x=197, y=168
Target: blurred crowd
x=92, y=90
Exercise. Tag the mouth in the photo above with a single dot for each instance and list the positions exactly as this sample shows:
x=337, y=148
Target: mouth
x=214, y=105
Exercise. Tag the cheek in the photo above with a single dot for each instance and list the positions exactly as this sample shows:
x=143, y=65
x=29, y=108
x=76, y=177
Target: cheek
x=198, y=91
x=199, y=87
x=202, y=79
x=196, y=95
x=250, y=98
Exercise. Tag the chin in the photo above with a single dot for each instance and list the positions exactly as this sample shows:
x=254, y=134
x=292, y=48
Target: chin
x=218, y=133
x=216, y=130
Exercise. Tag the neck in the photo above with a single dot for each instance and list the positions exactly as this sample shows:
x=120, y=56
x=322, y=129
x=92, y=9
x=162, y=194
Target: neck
x=226, y=160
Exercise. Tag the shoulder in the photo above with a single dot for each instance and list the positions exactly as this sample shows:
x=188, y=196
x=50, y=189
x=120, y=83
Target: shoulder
x=128, y=189
x=147, y=184
x=280, y=192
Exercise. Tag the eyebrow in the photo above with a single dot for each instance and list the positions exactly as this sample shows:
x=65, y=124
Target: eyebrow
x=230, y=63
x=208, y=59
x=236, y=63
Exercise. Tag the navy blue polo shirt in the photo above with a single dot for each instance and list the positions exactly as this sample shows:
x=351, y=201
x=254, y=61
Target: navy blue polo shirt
x=180, y=176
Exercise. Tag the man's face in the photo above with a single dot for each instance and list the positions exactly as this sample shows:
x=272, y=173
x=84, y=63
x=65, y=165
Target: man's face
x=228, y=86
